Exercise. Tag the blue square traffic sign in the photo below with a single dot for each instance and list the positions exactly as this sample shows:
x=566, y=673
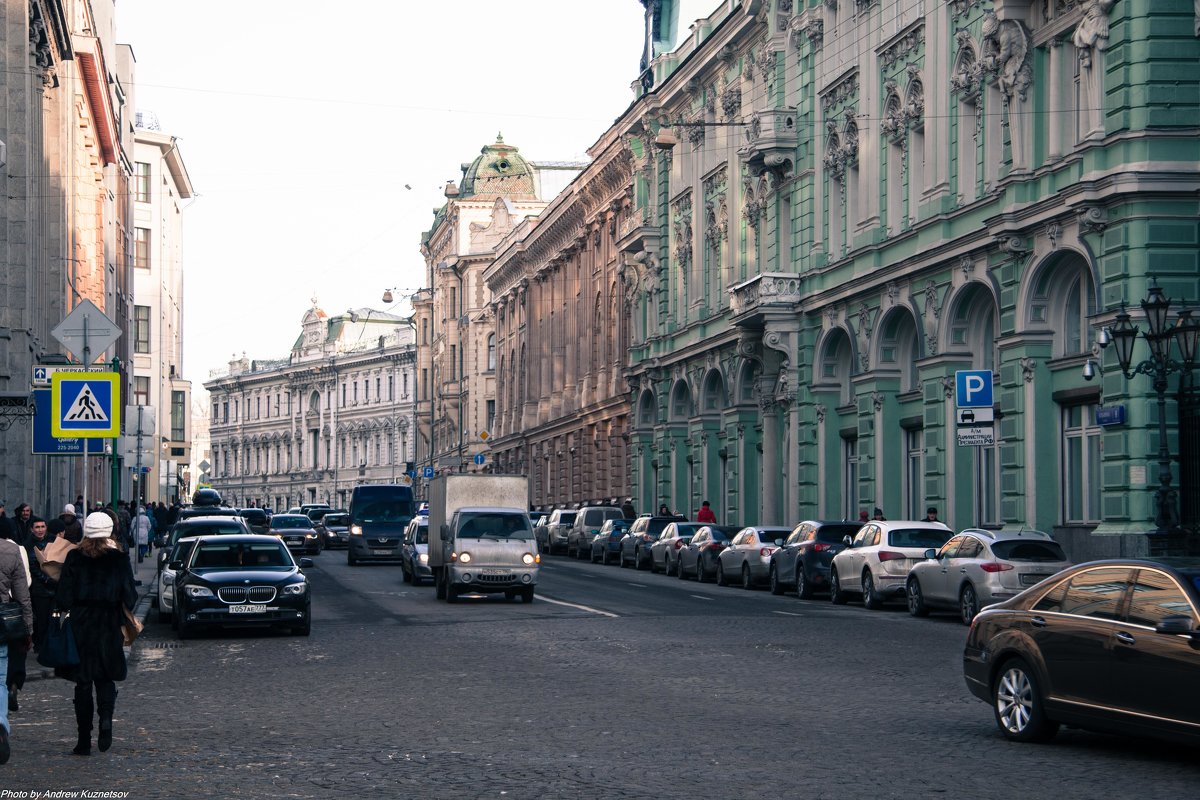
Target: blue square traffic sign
x=427, y=472
x=46, y=443
x=973, y=388
x=85, y=404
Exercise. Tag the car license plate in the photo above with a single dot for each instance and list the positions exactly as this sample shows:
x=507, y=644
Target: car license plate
x=294, y=540
x=1033, y=578
x=381, y=552
x=494, y=571
x=243, y=609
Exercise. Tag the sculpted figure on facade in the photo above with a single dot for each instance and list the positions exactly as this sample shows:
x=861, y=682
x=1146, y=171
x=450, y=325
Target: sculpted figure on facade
x=1007, y=48
x=1092, y=31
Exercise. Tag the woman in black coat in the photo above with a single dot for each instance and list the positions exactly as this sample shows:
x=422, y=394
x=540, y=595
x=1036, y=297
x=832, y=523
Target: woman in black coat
x=96, y=586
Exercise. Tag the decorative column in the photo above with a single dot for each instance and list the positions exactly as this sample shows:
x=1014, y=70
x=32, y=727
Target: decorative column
x=769, y=509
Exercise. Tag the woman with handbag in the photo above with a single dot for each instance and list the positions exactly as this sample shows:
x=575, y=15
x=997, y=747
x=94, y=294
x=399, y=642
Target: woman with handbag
x=97, y=589
x=14, y=597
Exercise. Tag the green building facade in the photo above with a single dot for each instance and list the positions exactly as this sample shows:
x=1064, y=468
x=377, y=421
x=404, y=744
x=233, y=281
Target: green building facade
x=838, y=204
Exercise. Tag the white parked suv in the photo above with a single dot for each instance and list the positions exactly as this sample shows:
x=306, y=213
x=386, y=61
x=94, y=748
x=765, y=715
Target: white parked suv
x=876, y=562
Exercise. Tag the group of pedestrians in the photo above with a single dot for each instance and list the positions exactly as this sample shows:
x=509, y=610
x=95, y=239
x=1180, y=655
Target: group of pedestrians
x=83, y=570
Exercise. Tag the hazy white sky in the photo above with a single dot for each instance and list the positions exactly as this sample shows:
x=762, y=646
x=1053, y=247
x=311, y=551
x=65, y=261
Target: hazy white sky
x=301, y=123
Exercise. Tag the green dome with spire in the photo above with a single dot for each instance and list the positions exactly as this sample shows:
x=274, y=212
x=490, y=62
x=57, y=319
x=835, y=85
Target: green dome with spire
x=499, y=171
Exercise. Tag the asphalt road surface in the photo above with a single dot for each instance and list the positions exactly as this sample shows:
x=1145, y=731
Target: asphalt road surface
x=612, y=684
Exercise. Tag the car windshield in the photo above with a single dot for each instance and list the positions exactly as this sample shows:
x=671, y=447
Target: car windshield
x=181, y=551
x=209, y=529
x=286, y=523
x=241, y=555
x=422, y=535
x=918, y=537
x=1024, y=550
x=337, y=520
x=386, y=511
x=494, y=524
x=833, y=534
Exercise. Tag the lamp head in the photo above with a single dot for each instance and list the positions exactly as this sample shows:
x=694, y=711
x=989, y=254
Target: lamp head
x=387, y=295
x=1156, y=305
x=1089, y=370
x=1123, y=335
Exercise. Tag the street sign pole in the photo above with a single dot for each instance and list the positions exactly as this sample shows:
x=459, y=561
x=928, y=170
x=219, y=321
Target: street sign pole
x=116, y=459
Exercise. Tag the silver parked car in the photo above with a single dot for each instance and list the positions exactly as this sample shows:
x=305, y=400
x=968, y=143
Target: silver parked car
x=414, y=552
x=552, y=536
x=664, y=553
x=166, y=578
x=748, y=557
x=877, y=562
x=980, y=567
x=585, y=527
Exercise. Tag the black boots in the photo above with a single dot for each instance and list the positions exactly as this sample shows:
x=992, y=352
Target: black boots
x=13, y=705
x=83, y=718
x=106, y=700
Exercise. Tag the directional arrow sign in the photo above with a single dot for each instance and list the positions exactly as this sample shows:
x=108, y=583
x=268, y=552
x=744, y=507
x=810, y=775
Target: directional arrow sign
x=86, y=327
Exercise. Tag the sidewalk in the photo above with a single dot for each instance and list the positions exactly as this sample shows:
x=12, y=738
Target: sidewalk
x=144, y=572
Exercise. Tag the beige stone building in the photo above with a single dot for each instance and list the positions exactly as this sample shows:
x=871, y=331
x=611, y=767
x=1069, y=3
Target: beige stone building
x=455, y=326
x=561, y=339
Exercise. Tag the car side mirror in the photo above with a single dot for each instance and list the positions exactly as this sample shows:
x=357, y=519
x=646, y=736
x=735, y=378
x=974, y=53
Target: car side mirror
x=930, y=553
x=445, y=532
x=175, y=565
x=1175, y=625
x=846, y=540
x=306, y=563
x=779, y=542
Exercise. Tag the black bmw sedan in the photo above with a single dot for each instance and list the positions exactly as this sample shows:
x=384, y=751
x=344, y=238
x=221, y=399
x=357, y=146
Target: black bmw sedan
x=1107, y=645
x=241, y=581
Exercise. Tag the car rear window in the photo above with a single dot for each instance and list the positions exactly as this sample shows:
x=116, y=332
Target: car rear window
x=567, y=519
x=597, y=516
x=723, y=534
x=688, y=530
x=833, y=534
x=917, y=537
x=1019, y=550
x=257, y=517
x=335, y=520
x=209, y=530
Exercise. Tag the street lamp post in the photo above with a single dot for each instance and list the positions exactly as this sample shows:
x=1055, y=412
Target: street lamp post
x=1159, y=335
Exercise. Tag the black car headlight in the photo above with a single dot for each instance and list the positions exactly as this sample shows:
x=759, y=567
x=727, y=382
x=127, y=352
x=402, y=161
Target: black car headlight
x=198, y=591
x=295, y=589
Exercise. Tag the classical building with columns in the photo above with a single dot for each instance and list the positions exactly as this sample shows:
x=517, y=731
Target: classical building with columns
x=838, y=205
x=338, y=411
x=562, y=339
x=455, y=326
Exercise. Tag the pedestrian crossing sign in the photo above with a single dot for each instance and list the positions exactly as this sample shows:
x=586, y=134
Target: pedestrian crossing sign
x=85, y=405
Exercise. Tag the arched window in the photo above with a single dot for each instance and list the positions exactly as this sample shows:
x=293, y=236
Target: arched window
x=714, y=392
x=973, y=326
x=900, y=347
x=681, y=402
x=1063, y=298
x=837, y=364
x=746, y=383
x=646, y=409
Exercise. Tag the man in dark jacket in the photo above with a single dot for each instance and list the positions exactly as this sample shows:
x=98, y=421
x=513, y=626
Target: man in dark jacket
x=72, y=530
x=6, y=528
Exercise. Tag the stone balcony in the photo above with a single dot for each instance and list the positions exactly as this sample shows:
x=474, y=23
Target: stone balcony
x=771, y=142
x=771, y=291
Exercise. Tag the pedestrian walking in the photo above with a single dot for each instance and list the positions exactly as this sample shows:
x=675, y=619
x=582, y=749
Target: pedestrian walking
x=22, y=517
x=73, y=531
x=44, y=566
x=931, y=515
x=7, y=531
x=879, y=515
x=14, y=674
x=142, y=527
x=705, y=514
x=14, y=585
x=627, y=510
x=96, y=588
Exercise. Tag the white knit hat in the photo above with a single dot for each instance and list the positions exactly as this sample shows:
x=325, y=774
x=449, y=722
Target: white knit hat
x=98, y=525
x=68, y=509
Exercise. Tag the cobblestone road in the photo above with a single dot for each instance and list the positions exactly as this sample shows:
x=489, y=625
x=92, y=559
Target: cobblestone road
x=689, y=691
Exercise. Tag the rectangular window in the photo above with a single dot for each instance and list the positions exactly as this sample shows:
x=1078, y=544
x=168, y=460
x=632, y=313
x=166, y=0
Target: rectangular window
x=142, y=182
x=225, y=411
x=378, y=393
x=453, y=361
x=850, y=479
x=356, y=393
x=178, y=416
x=491, y=414
x=216, y=413
x=366, y=390
x=391, y=388
x=257, y=407
x=914, y=473
x=1080, y=466
x=141, y=248
x=141, y=329
x=141, y=390
x=404, y=379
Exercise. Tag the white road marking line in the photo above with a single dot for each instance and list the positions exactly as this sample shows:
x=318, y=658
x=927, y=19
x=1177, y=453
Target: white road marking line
x=700, y=597
x=787, y=613
x=638, y=585
x=576, y=605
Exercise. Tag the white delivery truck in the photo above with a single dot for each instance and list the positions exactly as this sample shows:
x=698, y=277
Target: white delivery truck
x=480, y=539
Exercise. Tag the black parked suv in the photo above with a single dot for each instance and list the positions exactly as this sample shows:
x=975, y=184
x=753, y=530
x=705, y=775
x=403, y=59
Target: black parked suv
x=256, y=519
x=803, y=561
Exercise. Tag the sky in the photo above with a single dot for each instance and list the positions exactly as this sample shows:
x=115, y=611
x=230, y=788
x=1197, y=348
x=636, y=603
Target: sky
x=303, y=126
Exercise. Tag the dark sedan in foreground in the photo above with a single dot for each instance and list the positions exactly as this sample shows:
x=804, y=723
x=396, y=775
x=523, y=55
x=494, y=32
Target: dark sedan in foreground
x=240, y=581
x=1107, y=645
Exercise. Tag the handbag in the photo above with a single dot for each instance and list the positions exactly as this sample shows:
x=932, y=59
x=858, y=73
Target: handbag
x=131, y=626
x=59, y=649
x=13, y=618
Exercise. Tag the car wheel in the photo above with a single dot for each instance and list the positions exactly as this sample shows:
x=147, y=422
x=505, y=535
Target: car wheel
x=968, y=604
x=668, y=567
x=679, y=573
x=916, y=599
x=305, y=629
x=350, y=559
x=451, y=593
x=439, y=582
x=747, y=578
x=405, y=574
x=621, y=559
x=183, y=629
x=773, y=580
x=164, y=616
x=721, y=580
x=1017, y=702
x=585, y=555
x=871, y=598
x=804, y=589
x=639, y=562
x=527, y=594
x=836, y=595
x=510, y=595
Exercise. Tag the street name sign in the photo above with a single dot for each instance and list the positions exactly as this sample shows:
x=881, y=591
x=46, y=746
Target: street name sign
x=85, y=404
x=45, y=443
x=86, y=327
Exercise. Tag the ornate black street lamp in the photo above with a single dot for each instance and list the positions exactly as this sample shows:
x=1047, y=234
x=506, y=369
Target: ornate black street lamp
x=1160, y=335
